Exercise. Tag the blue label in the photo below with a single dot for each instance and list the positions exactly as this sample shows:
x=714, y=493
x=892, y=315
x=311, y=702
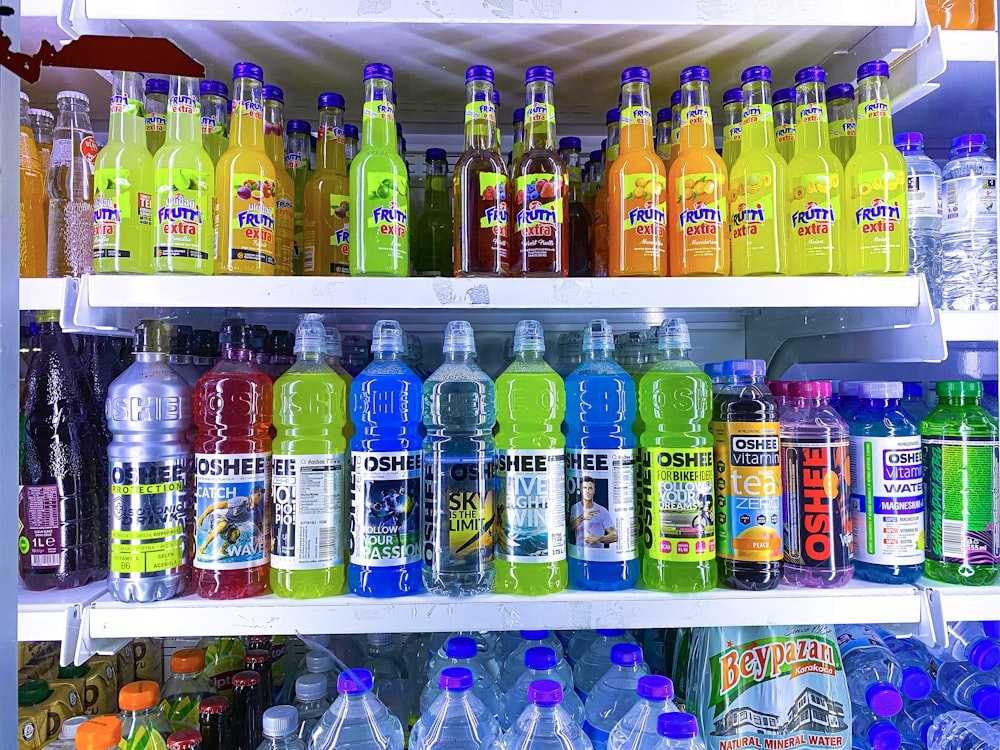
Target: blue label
x=233, y=492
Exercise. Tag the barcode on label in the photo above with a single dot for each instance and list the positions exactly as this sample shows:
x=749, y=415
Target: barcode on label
x=328, y=547
x=45, y=561
x=953, y=539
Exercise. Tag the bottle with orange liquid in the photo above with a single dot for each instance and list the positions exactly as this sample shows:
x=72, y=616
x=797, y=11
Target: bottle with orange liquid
x=601, y=240
x=675, y=125
x=43, y=126
x=636, y=182
x=33, y=248
x=284, y=187
x=326, y=223
x=954, y=14
x=664, y=138
x=696, y=186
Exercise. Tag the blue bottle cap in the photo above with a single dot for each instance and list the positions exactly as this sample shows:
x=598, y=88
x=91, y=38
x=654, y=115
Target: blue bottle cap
x=992, y=627
x=455, y=679
x=248, y=70
x=873, y=68
x=744, y=368
x=882, y=735
x=677, y=725
x=611, y=632
x=916, y=684
x=387, y=336
x=986, y=702
x=908, y=141
x=675, y=97
x=812, y=74
x=378, y=70
x=595, y=156
x=539, y=73
x=970, y=143
x=598, y=336
x=839, y=91
x=273, y=93
x=755, y=73
x=298, y=126
x=569, y=143
x=912, y=388
x=540, y=657
x=694, y=73
x=612, y=115
x=330, y=99
x=783, y=96
x=626, y=654
x=351, y=131
x=665, y=114
x=545, y=693
x=435, y=154
x=883, y=699
x=732, y=96
x=518, y=115
x=673, y=334
x=604, y=145
x=655, y=687
x=984, y=655
x=635, y=75
x=529, y=336
x=209, y=87
x=713, y=370
x=354, y=682
x=459, y=337
x=534, y=635
x=157, y=86
x=880, y=389
x=479, y=73
x=461, y=647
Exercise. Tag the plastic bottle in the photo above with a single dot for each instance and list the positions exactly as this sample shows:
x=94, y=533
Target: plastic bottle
x=514, y=664
x=182, y=693
x=545, y=724
x=959, y=440
x=783, y=103
x=916, y=684
x=848, y=395
x=531, y=470
x=630, y=352
x=100, y=733
x=432, y=235
x=33, y=212
x=311, y=702
x=461, y=651
x=732, y=134
x=600, y=463
x=488, y=652
x=69, y=184
x=970, y=689
x=232, y=410
x=142, y=716
x=326, y=202
x=357, y=720
x=697, y=186
x=968, y=642
x=284, y=187
x=280, y=729
x=663, y=136
x=875, y=732
x=968, y=269
x=843, y=126
x=578, y=644
x=245, y=184
x=459, y=498
x=596, y=660
x=750, y=553
x=67, y=734
x=214, y=117
x=309, y=462
x=155, y=113
x=758, y=184
x=319, y=663
x=279, y=349
x=960, y=730
x=580, y=253
x=541, y=663
x=569, y=349
x=614, y=694
x=914, y=721
x=356, y=354
x=923, y=207
x=205, y=348
x=873, y=674
x=457, y=719
x=298, y=150
x=379, y=193
x=638, y=728
x=678, y=731
x=384, y=544
x=913, y=401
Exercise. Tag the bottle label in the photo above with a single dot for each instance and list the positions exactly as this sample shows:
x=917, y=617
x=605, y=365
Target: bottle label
x=480, y=111
x=385, y=491
x=887, y=502
x=645, y=213
x=308, y=508
x=209, y=125
x=732, y=132
x=600, y=497
x=753, y=113
x=156, y=123
x=843, y=128
x=88, y=150
x=813, y=113
x=970, y=197
x=459, y=511
x=748, y=491
x=184, y=105
x=183, y=211
x=331, y=134
x=40, y=516
x=874, y=109
x=531, y=506
x=493, y=190
x=636, y=116
x=784, y=134
x=232, y=493
x=696, y=115
x=923, y=196
x=379, y=110
x=702, y=215
x=251, y=108
x=878, y=201
x=961, y=500
x=116, y=208
x=753, y=211
x=143, y=737
x=150, y=502
x=183, y=712
x=678, y=507
x=538, y=113
x=295, y=160
x=253, y=219
x=340, y=237
x=850, y=637
x=539, y=208
x=813, y=215
x=817, y=521
x=122, y=105
x=386, y=207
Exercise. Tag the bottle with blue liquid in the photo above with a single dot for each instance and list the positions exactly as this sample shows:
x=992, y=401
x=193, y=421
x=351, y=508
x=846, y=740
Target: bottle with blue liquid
x=385, y=471
x=600, y=457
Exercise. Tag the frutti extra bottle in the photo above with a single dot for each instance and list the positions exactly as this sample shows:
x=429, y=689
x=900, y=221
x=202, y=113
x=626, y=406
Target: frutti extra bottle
x=517, y=124
x=843, y=126
x=675, y=125
x=432, y=235
x=155, y=113
x=123, y=185
x=960, y=447
x=637, y=195
x=664, y=136
x=43, y=127
x=351, y=136
x=308, y=466
x=676, y=504
x=384, y=539
x=732, y=125
x=580, y=258
x=184, y=193
x=326, y=223
x=284, y=188
x=297, y=152
x=601, y=230
x=245, y=184
x=600, y=468
x=697, y=186
x=214, y=117
x=757, y=185
x=379, y=189
x=783, y=104
x=877, y=241
x=531, y=470
x=33, y=211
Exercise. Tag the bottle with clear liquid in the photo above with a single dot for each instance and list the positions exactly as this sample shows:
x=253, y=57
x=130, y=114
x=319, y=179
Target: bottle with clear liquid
x=843, y=126
x=284, y=188
x=33, y=211
x=545, y=724
x=875, y=732
x=457, y=719
x=280, y=729
x=459, y=458
x=596, y=660
x=432, y=235
x=326, y=229
x=462, y=651
x=214, y=117
x=155, y=118
x=784, y=106
x=915, y=662
x=390, y=675
x=311, y=701
x=298, y=153
x=540, y=663
x=637, y=729
x=873, y=674
x=580, y=257
x=970, y=689
x=732, y=127
x=355, y=355
x=531, y=470
x=923, y=208
x=968, y=272
x=357, y=720
x=569, y=348
x=614, y=694
x=514, y=662
x=630, y=352
x=70, y=187
x=967, y=641
x=678, y=731
x=961, y=730
x=915, y=720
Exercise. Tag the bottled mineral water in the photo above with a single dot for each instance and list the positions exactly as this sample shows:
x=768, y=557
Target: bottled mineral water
x=540, y=664
x=514, y=665
x=545, y=725
x=357, y=720
x=873, y=674
x=614, y=694
x=311, y=702
x=596, y=660
x=457, y=719
x=917, y=683
x=70, y=186
x=390, y=675
x=280, y=728
x=678, y=731
x=873, y=731
x=968, y=642
x=960, y=730
x=923, y=204
x=462, y=651
x=578, y=644
x=969, y=689
x=915, y=719
x=638, y=728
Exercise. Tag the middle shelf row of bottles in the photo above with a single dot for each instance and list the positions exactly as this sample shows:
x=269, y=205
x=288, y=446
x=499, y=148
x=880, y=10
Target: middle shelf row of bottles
x=236, y=482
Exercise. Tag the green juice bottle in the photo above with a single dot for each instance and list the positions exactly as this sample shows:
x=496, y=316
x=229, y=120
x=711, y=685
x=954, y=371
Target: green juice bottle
x=531, y=471
x=214, y=118
x=184, y=237
x=307, y=555
x=959, y=442
x=380, y=194
x=297, y=152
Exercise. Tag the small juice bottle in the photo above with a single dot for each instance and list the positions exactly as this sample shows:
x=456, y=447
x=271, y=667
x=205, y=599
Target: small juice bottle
x=123, y=185
x=284, y=188
x=43, y=126
x=214, y=118
x=155, y=117
x=675, y=124
x=297, y=152
x=877, y=240
x=783, y=104
x=245, y=184
x=580, y=258
x=518, y=124
x=326, y=227
x=541, y=185
x=33, y=248
x=664, y=139
x=379, y=190
x=843, y=128
x=637, y=195
x=815, y=182
x=696, y=186
x=757, y=185
x=732, y=125
x=602, y=204
x=184, y=239
x=432, y=233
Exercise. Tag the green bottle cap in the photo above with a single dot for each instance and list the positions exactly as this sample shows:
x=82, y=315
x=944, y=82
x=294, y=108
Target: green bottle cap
x=73, y=672
x=959, y=389
x=32, y=692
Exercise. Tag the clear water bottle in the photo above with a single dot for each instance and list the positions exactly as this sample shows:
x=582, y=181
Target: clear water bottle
x=317, y=662
x=614, y=694
x=960, y=730
x=923, y=206
x=967, y=641
x=457, y=719
x=874, y=732
x=678, y=731
x=357, y=720
x=968, y=273
x=638, y=729
x=280, y=727
x=544, y=724
x=311, y=702
x=540, y=664
x=596, y=660
x=873, y=674
x=513, y=665
x=391, y=678
x=917, y=683
x=461, y=651
x=969, y=689
x=915, y=719
x=487, y=647
x=578, y=644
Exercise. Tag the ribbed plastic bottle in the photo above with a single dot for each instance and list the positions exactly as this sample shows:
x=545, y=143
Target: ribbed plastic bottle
x=961, y=730
x=545, y=723
x=969, y=688
x=923, y=208
x=873, y=674
x=637, y=729
x=182, y=693
x=596, y=660
x=462, y=651
x=357, y=720
x=457, y=718
x=514, y=662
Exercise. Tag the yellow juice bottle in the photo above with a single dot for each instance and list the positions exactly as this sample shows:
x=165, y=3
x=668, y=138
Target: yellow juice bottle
x=155, y=111
x=326, y=229
x=245, y=184
x=732, y=125
x=298, y=150
x=757, y=185
x=783, y=103
x=284, y=195
x=843, y=129
x=33, y=263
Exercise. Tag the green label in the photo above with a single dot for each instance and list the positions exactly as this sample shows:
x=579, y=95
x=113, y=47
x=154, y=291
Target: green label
x=680, y=504
x=183, y=219
x=183, y=712
x=752, y=207
x=123, y=105
x=874, y=109
x=493, y=189
x=539, y=204
x=539, y=112
x=112, y=208
x=756, y=113
x=386, y=205
x=143, y=737
x=843, y=129
x=636, y=116
x=480, y=110
x=810, y=113
x=379, y=110
x=732, y=132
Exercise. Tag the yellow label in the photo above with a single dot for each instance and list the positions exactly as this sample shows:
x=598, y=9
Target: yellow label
x=251, y=229
x=680, y=496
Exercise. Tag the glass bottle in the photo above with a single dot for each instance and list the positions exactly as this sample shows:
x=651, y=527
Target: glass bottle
x=298, y=152
x=432, y=236
x=214, y=118
x=32, y=203
x=155, y=117
x=580, y=258
x=326, y=229
x=284, y=193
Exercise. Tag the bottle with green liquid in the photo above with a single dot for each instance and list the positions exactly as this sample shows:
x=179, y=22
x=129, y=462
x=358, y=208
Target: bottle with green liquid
x=298, y=148
x=732, y=125
x=531, y=471
x=843, y=128
x=309, y=462
x=380, y=194
x=184, y=235
x=123, y=185
x=432, y=236
x=214, y=117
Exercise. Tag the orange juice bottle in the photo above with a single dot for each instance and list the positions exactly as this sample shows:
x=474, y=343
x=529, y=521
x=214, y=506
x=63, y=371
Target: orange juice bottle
x=954, y=14
x=696, y=186
x=245, y=184
x=601, y=236
x=664, y=139
x=675, y=125
x=34, y=263
x=43, y=125
x=284, y=187
x=637, y=215
x=326, y=223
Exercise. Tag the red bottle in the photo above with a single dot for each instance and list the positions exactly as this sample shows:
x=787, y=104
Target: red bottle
x=232, y=409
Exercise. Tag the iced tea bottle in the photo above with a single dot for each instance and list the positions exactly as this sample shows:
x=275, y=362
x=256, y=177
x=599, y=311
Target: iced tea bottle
x=284, y=188
x=326, y=230
x=601, y=234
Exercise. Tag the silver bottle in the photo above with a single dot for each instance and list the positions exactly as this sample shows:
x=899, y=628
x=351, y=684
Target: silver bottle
x=150, y=464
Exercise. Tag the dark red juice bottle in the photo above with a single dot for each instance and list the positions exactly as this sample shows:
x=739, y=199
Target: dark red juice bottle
x=232, y=409
x=581, y=260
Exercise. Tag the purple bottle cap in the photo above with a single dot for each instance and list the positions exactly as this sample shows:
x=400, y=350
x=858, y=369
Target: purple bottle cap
x=378, y=70
x=209, y=87
x=744, y=367
x=880, y=389
x=595, y=155
x=604, y=145
x=635, y=75
x=351, y=131
x=626, y=655
x=655, y=687
x=912, y=388
x=908, y=141
x=675, y=97
x=664, y=115
x=354, y=682
x=884, y=736
x=545, y=693
x=986, y=701
x=569, y=143
x=984, y=655
x=330, y=99
x=992, y=627
x=917, y=684
x=157, y=86
x=756, y=73
x=782, y=96
x=695, y=73
x=810, y=389
x=610, y=632
x=849, y=388
x=612, y=115
x=455, y=679
x=248, y=70
x=298, y=126
x=461, y=647
x=534, y=635
x=968, y=144
x=496, y=97
x=539, y=73
x=873, y=68
x=812, y=74
x=540, y=657
x=677, y=725
x=519, y=115
x=839, y=91
x=479, y=73
x=883, y=699
x=732, y=96
x=273, y=93
x=778, y=388
x=435, y=154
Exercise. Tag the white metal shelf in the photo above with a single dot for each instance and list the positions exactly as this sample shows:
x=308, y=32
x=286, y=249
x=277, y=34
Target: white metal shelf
x=969, y=46
x=42, y=615
x=958, y=603
x=969, y=326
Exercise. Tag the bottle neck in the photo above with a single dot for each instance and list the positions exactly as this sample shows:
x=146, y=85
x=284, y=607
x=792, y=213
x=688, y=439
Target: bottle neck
x=879, y=403
x=184, y=110
x=959, y=401
x=572, y=158
x=297, y=152
x=597, y=355
x=247, y=117
x=378, y=356
x=274, y=131
x=874, y=113
x=214, y=115
x=664, y=138
x=309, y=355
x=539, y=116
x=126, y=123
x=232, y=354
x=436, y=186
x=378, y=122
x=531, y=355
x=457, y=358
x=636, y=125
x=673, y=353
x=331, y=152
x=695, y=119
x=758, y=120
x=614, y=132
x=518, y=140
x=150, y=356
x=732, y=116
x=812, y=128
x=480, y=116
